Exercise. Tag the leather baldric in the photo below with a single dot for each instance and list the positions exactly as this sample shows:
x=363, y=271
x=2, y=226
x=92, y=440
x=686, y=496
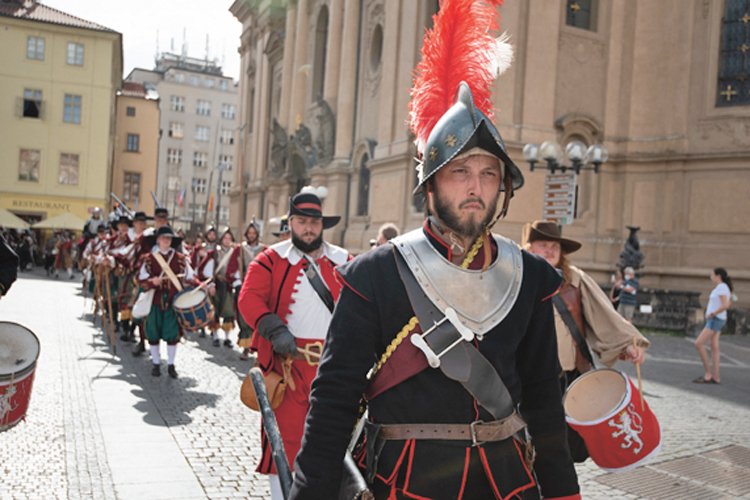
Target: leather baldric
x=463, y=362
x=313, y=276
x=568, y=305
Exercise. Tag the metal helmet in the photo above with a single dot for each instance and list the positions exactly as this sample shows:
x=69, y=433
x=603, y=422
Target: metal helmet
x=460, y=129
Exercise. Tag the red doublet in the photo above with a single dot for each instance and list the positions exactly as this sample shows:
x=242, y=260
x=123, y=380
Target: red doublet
x=178, y=264
x=269, y=286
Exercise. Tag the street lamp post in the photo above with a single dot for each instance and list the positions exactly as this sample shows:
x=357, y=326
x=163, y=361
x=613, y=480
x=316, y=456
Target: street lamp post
x=578, y=156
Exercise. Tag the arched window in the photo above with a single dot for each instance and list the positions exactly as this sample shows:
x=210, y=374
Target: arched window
x=363, y=190
x=321, y=46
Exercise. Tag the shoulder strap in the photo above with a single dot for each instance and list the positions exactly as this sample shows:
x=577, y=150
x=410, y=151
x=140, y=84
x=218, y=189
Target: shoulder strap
x=168, y=270
x=567, y=318
x=459, y=360
x=311, y=271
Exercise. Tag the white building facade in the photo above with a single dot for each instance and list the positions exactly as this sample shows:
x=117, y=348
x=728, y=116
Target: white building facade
x=198, y=144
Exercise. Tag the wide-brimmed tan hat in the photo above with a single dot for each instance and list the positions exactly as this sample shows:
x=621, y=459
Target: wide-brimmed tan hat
x=544, y=230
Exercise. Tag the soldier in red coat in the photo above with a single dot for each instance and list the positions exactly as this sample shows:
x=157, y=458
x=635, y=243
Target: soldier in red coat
x=287, y=297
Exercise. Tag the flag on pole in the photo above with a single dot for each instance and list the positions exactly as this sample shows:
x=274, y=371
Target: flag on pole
x=211, y=203
x=181, y=198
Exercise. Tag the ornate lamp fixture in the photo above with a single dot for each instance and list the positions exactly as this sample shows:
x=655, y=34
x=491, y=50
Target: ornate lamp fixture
x=578, y=156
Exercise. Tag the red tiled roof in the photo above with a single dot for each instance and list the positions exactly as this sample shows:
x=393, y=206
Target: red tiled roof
x=32, y=10
x=133, y=89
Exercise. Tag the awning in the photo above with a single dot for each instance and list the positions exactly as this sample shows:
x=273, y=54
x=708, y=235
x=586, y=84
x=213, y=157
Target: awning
x=12, y=221
x=65, y=220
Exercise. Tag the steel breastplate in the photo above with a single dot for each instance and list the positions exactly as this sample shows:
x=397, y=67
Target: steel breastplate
x=482, y=299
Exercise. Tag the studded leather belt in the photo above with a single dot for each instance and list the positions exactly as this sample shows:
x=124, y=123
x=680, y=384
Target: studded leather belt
x=477, y=432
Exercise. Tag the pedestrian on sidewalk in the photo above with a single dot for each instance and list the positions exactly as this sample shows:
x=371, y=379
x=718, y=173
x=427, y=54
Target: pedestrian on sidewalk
x=584, y=318
x=628, y=294
x=161, y=323
x=287, y=298
x=719, y=301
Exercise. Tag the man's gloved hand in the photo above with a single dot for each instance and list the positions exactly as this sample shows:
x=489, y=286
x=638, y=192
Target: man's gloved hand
x=271, y=328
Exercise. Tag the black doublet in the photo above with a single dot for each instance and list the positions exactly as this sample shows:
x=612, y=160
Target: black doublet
x=372, y=309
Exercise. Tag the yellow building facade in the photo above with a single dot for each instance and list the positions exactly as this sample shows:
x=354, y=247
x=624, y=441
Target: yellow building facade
x=58, y=81
x=136, y=146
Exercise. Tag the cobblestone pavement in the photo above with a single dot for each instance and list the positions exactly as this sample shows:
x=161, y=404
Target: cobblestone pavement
x=100, y=426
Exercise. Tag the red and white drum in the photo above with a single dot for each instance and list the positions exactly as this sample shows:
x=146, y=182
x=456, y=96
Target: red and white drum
x=19, y=351
x=606, y=409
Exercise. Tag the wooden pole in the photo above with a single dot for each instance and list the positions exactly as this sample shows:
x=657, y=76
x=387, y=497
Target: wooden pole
x=638, y=373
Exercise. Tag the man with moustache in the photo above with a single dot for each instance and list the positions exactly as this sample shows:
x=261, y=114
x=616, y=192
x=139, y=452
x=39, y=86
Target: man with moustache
x=446, y=333
x=287, y=297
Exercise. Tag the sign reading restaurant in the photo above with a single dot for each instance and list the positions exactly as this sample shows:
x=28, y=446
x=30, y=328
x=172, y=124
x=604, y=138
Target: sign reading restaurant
x=41, y=205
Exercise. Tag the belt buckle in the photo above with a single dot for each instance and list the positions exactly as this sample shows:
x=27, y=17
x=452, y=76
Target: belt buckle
x=473, y=432
x=312, y=352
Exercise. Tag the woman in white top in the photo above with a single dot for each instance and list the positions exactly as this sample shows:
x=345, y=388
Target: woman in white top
x=716, y=317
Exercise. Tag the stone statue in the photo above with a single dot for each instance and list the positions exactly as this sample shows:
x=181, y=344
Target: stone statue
x=279, y=149
x=631, y=256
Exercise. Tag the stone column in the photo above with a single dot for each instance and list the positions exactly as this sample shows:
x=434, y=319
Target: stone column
x=333, y=53
x=288, y=64
x=347, y=81
x=391, y=42
x=300, y=73
x=263, y=93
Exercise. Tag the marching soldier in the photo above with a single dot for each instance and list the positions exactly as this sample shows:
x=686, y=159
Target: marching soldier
x=119, y=248
x=137, y=253
x=287, y=297
x=160, y=272
x=237, y=268
x=283, y=233
x=223, y=298
x=452, y=322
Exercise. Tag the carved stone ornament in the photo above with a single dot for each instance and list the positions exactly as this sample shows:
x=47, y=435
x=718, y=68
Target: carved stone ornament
x=279, y=150
x=323, y=129
x=301, y=145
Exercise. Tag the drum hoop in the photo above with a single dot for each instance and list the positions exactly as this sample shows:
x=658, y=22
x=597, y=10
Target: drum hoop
x=192, y=306
x=620, y=406
x=17, y=377
x=32, y=365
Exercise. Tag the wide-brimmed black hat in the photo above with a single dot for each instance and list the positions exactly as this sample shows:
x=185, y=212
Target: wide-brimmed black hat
x=165, y=231
x=283, y=227
x=124, y=219
x=309, y=205
x=544, y=230
x=161, y=212
x=141, y=216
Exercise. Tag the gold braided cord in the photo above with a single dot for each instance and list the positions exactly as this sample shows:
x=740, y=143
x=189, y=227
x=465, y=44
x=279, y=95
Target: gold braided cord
x=406, y=330
x=412, y=323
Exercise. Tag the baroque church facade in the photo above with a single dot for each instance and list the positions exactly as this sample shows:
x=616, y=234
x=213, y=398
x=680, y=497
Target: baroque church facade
x=325, y=87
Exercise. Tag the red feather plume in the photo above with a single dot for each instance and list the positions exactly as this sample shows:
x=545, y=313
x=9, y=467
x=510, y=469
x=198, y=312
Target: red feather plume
x=458, y=48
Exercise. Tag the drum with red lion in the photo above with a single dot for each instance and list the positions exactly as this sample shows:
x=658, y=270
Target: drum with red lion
x=607, y=410
x=19, y=351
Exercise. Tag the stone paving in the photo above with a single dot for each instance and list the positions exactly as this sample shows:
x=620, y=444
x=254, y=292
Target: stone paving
x=100, y=426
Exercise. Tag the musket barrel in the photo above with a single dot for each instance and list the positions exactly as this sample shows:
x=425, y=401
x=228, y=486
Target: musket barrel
x=272, y=431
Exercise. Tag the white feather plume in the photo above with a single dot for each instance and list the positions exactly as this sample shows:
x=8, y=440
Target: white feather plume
x=503, y=54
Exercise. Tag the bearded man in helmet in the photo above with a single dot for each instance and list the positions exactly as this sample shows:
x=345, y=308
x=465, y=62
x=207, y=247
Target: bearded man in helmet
x=447, y=332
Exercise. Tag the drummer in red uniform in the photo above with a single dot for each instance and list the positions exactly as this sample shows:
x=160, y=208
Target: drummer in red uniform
x=279, y=300
x=160, y=271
